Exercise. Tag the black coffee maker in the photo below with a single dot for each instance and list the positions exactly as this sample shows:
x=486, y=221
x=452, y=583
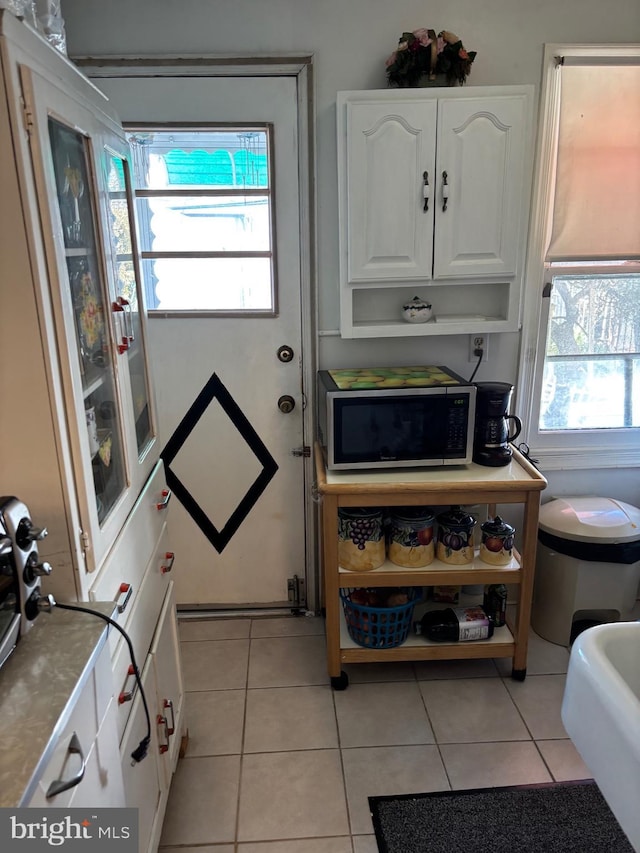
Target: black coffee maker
x=491, y=436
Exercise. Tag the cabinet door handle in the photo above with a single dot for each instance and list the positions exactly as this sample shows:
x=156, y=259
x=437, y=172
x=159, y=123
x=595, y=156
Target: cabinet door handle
x=426, y=190
x=165, y=568
x=168, y=704
x=60, y=785
x=166, y=497
x=162, y=721
x=445, y=191
x=127, y=695
x=128, y=317
x=118, y=308
x=127, y=590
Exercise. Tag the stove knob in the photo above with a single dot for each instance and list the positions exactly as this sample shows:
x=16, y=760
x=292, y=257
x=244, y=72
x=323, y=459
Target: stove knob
x=28, y=533
x=33, y=569
x=46, y=602
x=36, y=603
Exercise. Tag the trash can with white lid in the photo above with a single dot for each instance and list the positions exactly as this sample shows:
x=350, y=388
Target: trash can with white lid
x=587, y=565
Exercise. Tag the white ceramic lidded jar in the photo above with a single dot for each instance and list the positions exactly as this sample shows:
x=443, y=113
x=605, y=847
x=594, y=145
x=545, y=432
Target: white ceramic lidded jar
x=417, y=311
x=361, y=546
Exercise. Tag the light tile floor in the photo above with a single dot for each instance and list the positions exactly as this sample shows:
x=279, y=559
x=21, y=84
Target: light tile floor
x=278, y=762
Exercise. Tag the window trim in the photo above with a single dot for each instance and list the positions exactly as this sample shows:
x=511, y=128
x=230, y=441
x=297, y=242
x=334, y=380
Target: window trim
x=571, y=449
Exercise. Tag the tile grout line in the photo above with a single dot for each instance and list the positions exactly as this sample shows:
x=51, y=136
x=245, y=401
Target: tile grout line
x=236, y=840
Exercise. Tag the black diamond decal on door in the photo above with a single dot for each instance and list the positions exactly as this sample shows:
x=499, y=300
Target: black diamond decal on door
x=215, y=390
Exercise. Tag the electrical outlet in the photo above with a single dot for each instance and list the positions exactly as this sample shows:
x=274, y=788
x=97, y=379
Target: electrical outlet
x=478, y=342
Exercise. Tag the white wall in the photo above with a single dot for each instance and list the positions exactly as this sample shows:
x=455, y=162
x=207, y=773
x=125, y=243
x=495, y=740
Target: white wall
x=350, y=40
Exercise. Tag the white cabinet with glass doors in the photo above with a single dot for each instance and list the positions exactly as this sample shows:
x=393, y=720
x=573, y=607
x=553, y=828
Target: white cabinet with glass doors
x=433, y=192
x=87, y=351
x=79, y=442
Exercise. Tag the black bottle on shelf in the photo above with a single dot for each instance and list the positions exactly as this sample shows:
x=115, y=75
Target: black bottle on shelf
x=455, y=624
x=495, y=603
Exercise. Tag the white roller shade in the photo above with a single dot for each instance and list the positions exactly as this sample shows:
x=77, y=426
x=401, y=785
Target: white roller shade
x=596, y=211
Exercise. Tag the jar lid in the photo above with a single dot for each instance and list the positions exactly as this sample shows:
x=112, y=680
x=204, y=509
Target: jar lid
x=456, y=517
x=497, y=527
x=359, y=512
x=416, y=302
x=413, y=514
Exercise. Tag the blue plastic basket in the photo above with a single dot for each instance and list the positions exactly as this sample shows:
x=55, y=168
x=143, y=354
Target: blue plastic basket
x=378, y=627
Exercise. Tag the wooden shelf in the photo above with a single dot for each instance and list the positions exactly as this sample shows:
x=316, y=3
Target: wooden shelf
x=388, y=574
x=417, y=647
x=519, y=482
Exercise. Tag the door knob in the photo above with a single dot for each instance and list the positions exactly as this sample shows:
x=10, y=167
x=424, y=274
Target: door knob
x=285, y=354
x=286, y=404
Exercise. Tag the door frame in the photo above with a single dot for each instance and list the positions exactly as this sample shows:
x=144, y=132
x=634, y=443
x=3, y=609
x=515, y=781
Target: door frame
x=300, y=67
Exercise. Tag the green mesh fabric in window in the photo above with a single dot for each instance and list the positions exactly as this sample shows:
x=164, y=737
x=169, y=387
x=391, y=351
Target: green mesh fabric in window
x=216, y=168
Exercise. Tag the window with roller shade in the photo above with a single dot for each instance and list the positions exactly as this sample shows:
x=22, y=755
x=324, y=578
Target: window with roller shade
x=580, y=372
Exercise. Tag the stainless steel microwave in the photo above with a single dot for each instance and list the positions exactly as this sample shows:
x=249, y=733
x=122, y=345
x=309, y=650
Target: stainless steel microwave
x=395, y=417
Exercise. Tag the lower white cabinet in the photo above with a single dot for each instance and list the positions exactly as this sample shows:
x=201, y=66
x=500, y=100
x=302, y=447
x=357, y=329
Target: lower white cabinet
x=169, y=690
x=147, y=783
x=136, y=576
x=84, y=767
x=143, y=785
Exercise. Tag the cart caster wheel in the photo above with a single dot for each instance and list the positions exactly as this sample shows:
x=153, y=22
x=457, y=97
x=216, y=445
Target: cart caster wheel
x=518, y=674
x=340, y=682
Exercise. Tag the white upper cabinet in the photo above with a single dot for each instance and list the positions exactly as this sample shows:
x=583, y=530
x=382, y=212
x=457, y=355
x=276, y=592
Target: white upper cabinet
x=391, y=157
x=433, y=186
x=481, y=158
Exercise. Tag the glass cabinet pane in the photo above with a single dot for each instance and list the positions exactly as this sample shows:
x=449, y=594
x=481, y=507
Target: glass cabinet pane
x=90, y=314
x=128, y=294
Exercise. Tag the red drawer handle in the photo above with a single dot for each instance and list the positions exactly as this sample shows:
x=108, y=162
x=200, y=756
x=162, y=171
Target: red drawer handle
x=127, y=695
x=125, y=589
x=162, y=721
x=170, y=558
x=168, y=705
x=166, y=497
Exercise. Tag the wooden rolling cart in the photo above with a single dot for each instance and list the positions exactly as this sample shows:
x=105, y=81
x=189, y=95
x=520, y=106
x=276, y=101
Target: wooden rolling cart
x=517, y=483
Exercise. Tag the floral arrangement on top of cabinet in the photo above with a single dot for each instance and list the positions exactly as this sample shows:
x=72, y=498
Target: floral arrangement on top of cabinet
x=434, y=189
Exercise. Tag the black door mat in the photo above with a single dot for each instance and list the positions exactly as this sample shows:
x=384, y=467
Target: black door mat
x=552, y=817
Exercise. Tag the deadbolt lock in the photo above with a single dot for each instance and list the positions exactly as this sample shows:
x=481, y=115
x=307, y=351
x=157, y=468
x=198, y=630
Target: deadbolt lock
x=286, y=403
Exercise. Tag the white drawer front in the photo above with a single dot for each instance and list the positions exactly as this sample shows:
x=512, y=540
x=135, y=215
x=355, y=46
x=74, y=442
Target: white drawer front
x=102, y=783
x=122, y=572
x=142, y=625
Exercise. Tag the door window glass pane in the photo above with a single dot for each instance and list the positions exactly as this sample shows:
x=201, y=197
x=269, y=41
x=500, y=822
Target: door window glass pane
x=205, y=209
x=90, y=315
x=215, y=284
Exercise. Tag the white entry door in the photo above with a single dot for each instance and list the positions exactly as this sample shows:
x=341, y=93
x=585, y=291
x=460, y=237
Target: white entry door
x=230, y=390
